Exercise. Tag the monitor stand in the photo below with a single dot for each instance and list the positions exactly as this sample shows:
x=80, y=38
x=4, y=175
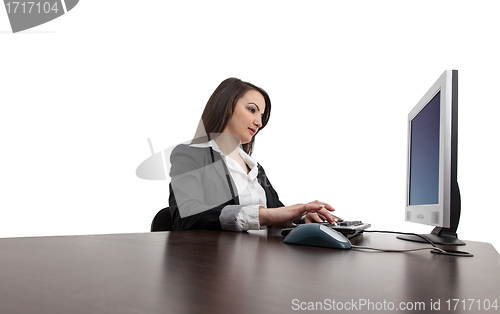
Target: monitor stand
x=439, y=235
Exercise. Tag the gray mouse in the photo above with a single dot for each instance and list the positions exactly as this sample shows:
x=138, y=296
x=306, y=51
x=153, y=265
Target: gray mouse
x=317, y=235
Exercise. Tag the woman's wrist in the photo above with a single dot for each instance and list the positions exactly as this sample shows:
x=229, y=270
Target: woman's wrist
x=263, y=216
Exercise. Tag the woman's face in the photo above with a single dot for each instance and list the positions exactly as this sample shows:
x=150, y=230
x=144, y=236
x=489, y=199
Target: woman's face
x=247, y=116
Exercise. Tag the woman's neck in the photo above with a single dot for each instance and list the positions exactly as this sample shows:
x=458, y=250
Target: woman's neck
x=229, y=144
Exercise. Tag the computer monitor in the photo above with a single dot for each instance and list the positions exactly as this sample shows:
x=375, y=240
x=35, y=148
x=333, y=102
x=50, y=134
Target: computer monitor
x=432, y=193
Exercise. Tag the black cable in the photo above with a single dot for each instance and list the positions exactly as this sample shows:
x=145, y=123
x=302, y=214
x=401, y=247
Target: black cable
x=395, y=251
x=404, y=233
x=436, y=249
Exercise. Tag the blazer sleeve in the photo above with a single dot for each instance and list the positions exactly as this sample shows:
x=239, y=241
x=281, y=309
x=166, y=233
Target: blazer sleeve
x=199, y=189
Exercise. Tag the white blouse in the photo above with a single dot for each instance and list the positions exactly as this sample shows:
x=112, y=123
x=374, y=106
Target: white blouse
x=250, y=192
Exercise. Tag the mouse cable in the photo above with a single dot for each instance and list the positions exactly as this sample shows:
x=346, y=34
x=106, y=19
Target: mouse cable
x=391, y=250
x=434, y=249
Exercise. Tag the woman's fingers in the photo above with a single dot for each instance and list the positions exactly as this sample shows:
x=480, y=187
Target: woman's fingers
x=326, y=212
x=337, y=218
x=313, y=217
x=315, y=212
x=326, y=215
x=326, y=205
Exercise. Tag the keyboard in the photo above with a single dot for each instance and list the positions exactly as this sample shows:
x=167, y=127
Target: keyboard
x=350, y=223
x=348, y=228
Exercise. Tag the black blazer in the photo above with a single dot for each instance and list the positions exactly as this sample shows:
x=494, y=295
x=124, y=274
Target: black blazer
x=202, y=186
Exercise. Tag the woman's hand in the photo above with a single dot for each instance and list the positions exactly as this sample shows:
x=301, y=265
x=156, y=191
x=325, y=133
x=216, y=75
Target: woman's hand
x=322, y=215
x=284, y=216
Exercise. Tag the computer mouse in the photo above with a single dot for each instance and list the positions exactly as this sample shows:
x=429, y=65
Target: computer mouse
x=317, y=235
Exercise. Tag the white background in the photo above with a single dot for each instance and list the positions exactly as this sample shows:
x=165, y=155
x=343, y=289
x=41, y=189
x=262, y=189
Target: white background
x=81, y=94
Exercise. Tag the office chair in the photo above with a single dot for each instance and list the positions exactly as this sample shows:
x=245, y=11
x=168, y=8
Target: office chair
x=162, y=221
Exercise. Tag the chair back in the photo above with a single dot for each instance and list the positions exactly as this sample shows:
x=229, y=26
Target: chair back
x=162, y=221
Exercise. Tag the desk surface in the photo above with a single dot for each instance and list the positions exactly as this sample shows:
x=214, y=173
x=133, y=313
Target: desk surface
x=226, y=272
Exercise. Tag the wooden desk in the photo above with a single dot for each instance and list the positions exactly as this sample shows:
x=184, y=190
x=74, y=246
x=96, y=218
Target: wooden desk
x=225, y=272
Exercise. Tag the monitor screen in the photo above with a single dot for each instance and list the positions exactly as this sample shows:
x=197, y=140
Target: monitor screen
x=424, y=155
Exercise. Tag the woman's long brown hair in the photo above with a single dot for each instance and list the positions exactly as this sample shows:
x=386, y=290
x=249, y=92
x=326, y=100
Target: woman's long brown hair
x=220, y=108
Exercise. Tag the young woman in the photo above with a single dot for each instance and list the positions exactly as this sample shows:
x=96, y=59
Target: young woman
x=216, y=184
